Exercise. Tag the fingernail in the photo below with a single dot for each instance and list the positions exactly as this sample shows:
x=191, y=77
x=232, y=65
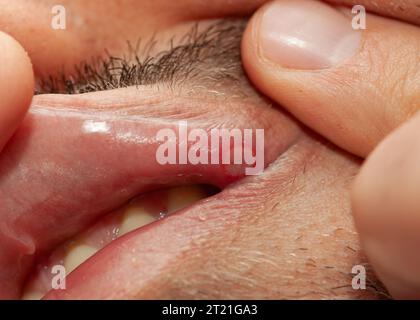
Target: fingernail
x=304, y=34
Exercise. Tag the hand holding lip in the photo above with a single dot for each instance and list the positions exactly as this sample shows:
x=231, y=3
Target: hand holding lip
x=234, y=213
x=253, y=212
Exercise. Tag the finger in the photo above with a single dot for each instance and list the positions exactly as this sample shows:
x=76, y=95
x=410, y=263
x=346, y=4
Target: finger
x=386, y=207
x=405, y=10
x=16, y=86
x=343, y=83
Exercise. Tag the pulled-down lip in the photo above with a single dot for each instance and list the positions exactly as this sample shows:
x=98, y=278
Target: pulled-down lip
x=76, y=158
x=140, y=264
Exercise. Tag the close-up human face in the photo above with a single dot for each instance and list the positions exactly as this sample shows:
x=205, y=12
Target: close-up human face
x=83, y=192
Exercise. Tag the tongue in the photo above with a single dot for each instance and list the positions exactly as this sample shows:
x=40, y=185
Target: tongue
x=67, y=166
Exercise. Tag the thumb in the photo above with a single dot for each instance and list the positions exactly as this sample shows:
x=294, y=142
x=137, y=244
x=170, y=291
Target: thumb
x=16, y=86
x=341, y=82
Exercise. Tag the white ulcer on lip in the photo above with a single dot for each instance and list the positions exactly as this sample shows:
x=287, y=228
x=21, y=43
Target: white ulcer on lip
x=139, y=212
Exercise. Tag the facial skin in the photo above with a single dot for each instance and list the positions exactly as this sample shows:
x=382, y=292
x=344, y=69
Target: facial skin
x=285, y=234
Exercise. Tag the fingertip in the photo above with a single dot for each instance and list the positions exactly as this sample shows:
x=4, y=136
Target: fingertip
x=336, y=78
x=386, y=209
x=16, y=86
x=290, y=51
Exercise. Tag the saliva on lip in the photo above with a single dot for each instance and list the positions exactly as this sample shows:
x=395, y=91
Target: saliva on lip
x=140, y=211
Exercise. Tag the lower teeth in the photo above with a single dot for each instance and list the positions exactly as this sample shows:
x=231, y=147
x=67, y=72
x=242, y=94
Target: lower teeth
x=139, y=212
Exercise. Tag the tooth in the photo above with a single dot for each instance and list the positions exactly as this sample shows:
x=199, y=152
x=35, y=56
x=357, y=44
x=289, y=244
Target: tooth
x=181, y=197
x=32, y=295
x=76, y=255
x=135, y=217
x=30, y=292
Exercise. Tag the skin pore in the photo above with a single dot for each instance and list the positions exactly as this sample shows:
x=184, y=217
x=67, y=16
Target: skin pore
x=287, y=233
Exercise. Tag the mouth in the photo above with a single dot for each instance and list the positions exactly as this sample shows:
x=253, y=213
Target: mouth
x=81, y=187
x=139, y=212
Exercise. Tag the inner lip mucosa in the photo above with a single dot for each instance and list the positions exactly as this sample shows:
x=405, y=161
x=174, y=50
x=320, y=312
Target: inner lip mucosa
x=140, y=211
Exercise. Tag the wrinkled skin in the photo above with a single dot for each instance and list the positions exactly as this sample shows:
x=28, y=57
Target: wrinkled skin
x=285, y=234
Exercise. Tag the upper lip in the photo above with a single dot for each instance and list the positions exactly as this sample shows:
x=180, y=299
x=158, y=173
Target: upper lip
x=55, y=178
